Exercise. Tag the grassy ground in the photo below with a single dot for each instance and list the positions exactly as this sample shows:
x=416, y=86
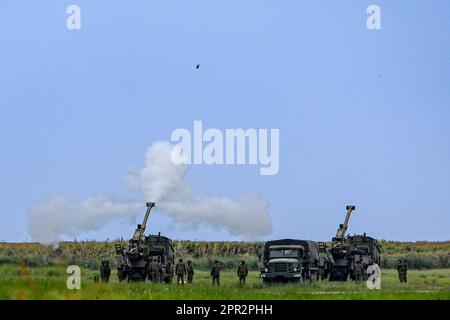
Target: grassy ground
x=19, y=282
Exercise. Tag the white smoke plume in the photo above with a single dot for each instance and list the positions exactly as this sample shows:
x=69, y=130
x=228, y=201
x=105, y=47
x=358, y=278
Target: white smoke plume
x=161, y=181
x=54, y=217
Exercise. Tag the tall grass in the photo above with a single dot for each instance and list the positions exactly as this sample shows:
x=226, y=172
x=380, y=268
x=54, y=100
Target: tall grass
x=420, y=255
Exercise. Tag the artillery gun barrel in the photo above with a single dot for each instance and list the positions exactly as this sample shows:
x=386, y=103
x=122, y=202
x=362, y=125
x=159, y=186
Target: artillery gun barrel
x=347, y=217
x=141, y=227
x=150, y=205
x=340, y=234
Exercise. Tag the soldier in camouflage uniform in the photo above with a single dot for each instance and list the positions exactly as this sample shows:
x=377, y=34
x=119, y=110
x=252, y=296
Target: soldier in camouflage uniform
x=180, y=270
x=215, y=273
x=155, y=270
x=168, y=273
x=359, y=270
x=190, y=272
x=105, y=271
x=402, y=268
x=242, y=273
x=405, y=271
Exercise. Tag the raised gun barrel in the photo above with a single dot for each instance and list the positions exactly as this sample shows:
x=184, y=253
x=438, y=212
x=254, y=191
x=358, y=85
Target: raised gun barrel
x=340, y=234
x=150, y=205
x=141, y=227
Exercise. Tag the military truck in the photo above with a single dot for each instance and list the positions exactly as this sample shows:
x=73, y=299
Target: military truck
x=134, y=260
x=338, y=258
x=290, y=260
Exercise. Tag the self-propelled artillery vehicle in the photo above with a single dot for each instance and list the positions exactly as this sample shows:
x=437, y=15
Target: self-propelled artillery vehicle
x=134, y=260
x=338, y=258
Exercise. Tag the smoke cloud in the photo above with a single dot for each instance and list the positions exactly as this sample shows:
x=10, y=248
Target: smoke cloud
x=159, y=180
x=162, y=180
x=54, y=217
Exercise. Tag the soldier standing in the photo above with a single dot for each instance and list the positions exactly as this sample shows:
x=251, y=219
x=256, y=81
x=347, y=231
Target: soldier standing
x=215, y=273
x=154, y=270
x=190, y=272
x=180, y=269
x=359, y=270
x=324, y=265
x=402, y=270
x=105, y=271
x=169, y=273
x=405, y=271
x=242, y=273
x=399, y=270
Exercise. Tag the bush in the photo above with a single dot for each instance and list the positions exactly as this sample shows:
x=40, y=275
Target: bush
x=417, y=261
x=420, y=255
x=7, y=260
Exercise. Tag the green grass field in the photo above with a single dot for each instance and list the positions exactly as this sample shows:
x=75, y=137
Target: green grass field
x=19, y=282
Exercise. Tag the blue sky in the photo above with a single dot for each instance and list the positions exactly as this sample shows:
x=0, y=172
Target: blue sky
x=363, y=115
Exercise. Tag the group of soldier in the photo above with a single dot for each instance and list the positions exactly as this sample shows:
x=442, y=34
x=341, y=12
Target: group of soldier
x=182, y=270
x=158, y=273
x=362, y=272
x=402, y=269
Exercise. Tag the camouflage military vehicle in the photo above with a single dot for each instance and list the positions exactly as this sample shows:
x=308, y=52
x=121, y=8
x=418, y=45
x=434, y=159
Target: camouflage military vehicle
x=324, y=260
x=134, y=260
x=337, y=259
x=365, y=249
x=290, y=260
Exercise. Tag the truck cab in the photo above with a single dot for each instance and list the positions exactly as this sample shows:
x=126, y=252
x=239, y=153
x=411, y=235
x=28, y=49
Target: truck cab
x=289, y=260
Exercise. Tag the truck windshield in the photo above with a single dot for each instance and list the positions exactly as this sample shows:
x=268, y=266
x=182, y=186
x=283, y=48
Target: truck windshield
x=284, y=253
